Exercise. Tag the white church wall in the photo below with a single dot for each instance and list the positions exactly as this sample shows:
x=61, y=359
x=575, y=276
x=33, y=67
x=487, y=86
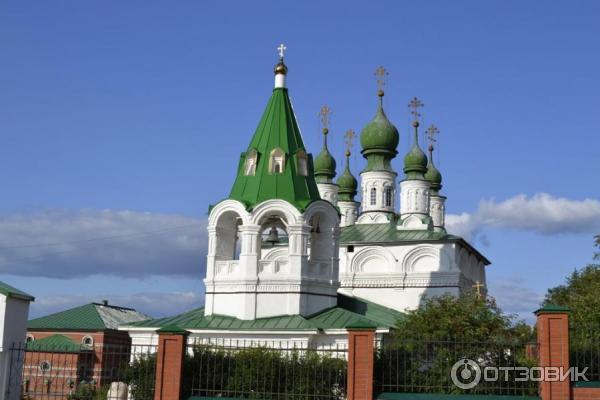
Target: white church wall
x=400, y=275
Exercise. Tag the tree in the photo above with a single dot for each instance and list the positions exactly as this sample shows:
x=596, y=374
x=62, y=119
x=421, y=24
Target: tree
x=465, y=318
x=581, y=294
x=597, y=244
x=444, y=330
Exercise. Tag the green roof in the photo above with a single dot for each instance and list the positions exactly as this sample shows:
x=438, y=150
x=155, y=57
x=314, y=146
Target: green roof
x=387, y=233
x=57, y=344
x=277, y=129
x=350, y=311
x=379, y=140
x=89, y=317
x=10, y=291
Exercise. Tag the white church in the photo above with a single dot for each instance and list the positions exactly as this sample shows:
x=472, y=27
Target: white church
x=293, y=255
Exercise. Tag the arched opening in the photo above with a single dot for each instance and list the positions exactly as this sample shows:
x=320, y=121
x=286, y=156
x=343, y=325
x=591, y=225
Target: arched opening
x=321, y=244
x=251, y=161
x=302, y=163
x=273, y=244
x=373, y=199
x=277, y=161
x=227, y=236
x=387, y=196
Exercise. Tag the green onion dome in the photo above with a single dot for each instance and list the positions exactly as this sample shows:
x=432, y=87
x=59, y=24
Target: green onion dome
x=379, y=135
x=433, y=175
x=324, y=163
x=415, y=161
x=347, y=183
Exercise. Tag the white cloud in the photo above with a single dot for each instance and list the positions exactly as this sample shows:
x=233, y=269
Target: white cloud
x=541, y=213
x=152, y=304
x=514, y=297
x=73, y=244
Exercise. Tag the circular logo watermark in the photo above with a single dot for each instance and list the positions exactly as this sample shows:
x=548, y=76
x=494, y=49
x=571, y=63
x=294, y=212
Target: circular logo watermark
x=465, y=374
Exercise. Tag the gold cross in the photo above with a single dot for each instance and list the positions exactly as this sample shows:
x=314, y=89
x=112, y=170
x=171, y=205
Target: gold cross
x=477, y=286
x=381, y=77
x=414, y=105
x=432, y=131
x=349, y=136
x=281, y=50
x=324, y=113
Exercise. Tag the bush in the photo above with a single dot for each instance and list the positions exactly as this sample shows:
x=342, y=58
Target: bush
x=140, y=376
x=263, y=373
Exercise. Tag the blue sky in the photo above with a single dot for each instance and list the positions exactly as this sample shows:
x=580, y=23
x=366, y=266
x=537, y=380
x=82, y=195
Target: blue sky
x=122, y=121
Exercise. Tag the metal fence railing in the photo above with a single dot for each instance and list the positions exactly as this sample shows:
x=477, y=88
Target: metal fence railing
x=414, y=365
x=265, y=370
x=584, y=351
x=82, y=372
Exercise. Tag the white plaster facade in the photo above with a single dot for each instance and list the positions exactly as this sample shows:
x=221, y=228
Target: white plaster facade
x=349, y=212
x=437, y=210
x=13, y=327
x=398, y=276
x=329, y=192
x=286, y=281
x=378, y=190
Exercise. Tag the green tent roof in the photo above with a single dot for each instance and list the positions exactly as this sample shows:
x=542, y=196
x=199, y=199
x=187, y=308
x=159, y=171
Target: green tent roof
x=89, y=317
x=10, y=291
x=277, y=129
x=350, y=311
x=57, y=344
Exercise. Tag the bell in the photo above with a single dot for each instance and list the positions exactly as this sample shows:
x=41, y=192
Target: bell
x=273, y=236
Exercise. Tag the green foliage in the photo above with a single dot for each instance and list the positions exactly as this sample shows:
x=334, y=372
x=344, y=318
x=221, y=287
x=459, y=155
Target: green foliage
x=597, y=244
x=581, y=294
x=263, y=373
x=445, y=329
x=140, y=376
x=88, y=391
x=466, y=318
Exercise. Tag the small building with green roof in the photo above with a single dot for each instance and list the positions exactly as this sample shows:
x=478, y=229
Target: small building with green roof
x=85, y=338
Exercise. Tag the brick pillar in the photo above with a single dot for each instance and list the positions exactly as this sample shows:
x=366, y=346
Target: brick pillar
x=172, y=344
x=553, y=341
x=360, y=362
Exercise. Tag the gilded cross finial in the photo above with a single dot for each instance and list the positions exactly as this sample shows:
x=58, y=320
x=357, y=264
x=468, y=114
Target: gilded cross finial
x=349, y=139
x=281, y=49
x=432, y=132
x=478, y=286
x=324, y=114
x=414, y=105
x=381, y=78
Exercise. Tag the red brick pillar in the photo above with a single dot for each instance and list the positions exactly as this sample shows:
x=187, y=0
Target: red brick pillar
x=172, y=345
x=553, y=341
x=360, y=362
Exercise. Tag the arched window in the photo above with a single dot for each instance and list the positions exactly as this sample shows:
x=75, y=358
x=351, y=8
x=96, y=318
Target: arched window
x=373, y=196
x=387, y=196
x=30, y=338
x=302, y=163
x=251, y=159
x=87, y=340
x=277, y=161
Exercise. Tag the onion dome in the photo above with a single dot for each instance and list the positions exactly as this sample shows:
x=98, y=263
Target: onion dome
x=347, y=182
x=433, y=175
x=379, y=140
x=415, y=161
x=379, y=134
x=324, y=163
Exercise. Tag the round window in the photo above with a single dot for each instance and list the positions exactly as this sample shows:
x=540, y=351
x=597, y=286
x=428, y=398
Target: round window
x=45, y=366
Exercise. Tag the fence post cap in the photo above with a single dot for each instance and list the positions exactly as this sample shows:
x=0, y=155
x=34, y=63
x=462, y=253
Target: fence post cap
x=172, y=330
x=552, y=309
